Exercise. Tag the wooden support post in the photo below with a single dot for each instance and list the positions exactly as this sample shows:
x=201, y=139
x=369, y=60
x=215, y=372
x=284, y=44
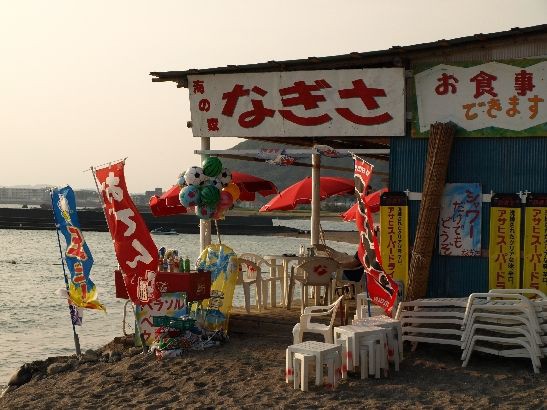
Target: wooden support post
x=438, y=157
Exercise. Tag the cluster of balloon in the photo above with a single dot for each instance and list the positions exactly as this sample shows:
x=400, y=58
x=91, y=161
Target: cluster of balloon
x=209, y=189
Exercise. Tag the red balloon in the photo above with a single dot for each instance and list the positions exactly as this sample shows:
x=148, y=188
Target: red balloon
x=226, y=199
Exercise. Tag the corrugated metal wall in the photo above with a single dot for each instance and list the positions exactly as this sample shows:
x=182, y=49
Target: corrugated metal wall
x=499, y=164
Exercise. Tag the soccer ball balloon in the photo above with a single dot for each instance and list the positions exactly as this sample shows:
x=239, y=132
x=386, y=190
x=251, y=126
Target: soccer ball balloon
x=195, y=176
x=181, y=181
x=225, y=176
x=189, y=196
x=216, y=182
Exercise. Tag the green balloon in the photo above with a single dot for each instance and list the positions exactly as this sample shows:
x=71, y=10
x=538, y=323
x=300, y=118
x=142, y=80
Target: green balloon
x=212, y=166
x=210, y=195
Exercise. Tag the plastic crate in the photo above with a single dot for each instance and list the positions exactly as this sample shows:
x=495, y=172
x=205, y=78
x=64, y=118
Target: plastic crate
x=173, y=322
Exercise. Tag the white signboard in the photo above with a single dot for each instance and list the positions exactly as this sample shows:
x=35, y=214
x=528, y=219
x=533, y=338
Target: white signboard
x=460, y=220
x=487, y=95
x=368, y=102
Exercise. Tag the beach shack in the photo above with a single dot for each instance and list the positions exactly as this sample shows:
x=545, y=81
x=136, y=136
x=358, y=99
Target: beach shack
x=465, y=123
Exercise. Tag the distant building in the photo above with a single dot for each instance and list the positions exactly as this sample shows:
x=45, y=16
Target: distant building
x=28, y=196
x=85, y=198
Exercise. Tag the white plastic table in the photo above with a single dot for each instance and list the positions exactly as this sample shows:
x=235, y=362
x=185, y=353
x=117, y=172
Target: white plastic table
x=318, y=349
x=285, y=261
x=354, y=333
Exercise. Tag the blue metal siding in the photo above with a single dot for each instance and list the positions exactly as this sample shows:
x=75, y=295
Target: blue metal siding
x=499, y=164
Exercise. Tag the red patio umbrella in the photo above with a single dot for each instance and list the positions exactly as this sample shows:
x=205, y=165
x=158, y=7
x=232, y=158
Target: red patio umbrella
x=168, y=203
x=373, y=201
x=249, y=185
x=301, y=192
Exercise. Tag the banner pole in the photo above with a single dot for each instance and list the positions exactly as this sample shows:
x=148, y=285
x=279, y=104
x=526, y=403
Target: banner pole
x=368, y=294
x=100, y=198
x=76, y=338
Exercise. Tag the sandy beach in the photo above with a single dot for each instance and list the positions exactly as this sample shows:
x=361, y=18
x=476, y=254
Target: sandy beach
x=248, y=372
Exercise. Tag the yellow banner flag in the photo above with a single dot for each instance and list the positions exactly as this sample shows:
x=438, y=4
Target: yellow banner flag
x=394, y=235
x=504, y=248
x=534, y=275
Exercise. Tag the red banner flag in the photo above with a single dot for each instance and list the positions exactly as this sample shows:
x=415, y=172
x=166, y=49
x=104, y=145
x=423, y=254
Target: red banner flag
x=382, y=289
x=135, y=250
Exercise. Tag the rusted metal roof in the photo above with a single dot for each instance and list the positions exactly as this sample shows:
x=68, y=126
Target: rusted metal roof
x=395, y=56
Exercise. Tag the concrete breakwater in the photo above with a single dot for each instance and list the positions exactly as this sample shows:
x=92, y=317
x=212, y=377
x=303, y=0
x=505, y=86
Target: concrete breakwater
x=94, y=220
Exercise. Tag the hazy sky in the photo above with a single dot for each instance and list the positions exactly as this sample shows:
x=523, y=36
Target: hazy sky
x=75, y=89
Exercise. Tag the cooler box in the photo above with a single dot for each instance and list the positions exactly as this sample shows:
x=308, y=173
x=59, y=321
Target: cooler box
x=197, y=285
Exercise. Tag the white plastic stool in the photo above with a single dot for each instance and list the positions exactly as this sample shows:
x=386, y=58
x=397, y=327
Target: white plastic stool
x=357, y=334
x=347, y=355
x=324, y=353
x=394, y=329
x=301, y=362
x=363, y=357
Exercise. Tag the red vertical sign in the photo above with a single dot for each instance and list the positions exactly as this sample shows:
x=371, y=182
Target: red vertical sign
x=382, y=289
x=135, y=250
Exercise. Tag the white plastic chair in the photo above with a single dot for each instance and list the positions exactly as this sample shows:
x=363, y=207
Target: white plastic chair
x=314, y=271
x=270, y=280
x=249, y=274
x=506, y=303
x=306, y=325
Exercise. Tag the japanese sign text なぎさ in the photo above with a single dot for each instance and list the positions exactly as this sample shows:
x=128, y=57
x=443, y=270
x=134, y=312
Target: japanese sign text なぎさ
x=299, y=103
x=487, y=95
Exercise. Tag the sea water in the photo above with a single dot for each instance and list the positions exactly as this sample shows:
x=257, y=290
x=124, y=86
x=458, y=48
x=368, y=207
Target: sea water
x=35, y=322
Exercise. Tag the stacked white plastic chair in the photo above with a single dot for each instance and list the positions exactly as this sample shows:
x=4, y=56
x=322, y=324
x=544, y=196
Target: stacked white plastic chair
x=271, y=280
x=436, y=320
x=506, y=323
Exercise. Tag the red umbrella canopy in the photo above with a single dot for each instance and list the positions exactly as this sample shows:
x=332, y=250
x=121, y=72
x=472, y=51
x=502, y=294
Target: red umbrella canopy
x=300, y=193
x=169, y=203
x=249, y=185
x=372, y=200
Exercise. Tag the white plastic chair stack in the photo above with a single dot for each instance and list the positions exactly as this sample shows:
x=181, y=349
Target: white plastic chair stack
x=436, y=320
x=394, y=333
x=504, y=322
x=270, y=280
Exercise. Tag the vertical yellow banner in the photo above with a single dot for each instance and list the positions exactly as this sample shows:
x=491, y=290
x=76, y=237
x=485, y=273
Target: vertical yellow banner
x=504, y=248
x=534, y=274
x=394, y=235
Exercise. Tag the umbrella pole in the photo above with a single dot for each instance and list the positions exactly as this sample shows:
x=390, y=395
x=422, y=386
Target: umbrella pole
x=315, y=198
x=315, y=208
x=368, y=295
